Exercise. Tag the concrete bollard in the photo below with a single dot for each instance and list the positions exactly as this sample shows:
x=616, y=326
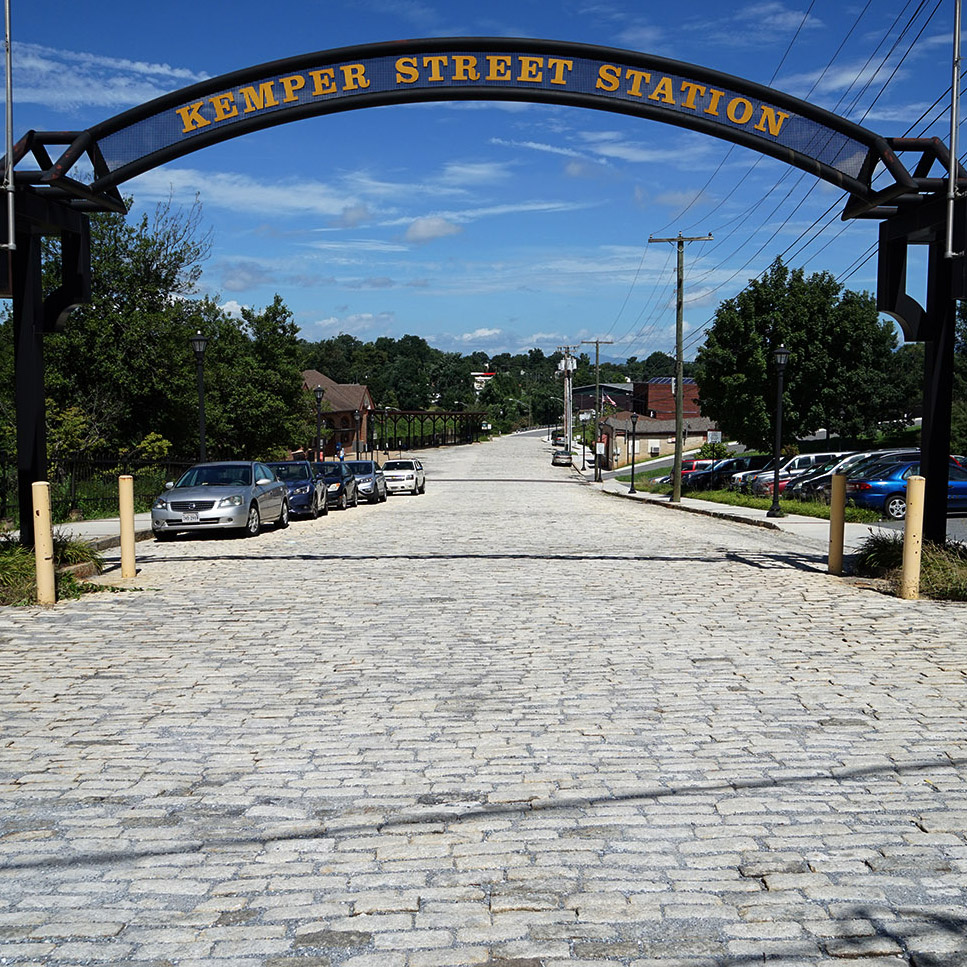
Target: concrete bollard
x=912, y=540
x=43, y=544
x=837, y=524
x=126, y=510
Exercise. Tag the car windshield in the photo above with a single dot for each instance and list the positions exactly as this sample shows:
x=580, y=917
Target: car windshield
x=360, y=466
x=398, y=465
x=224, y=475
x=329, y=469
x=291, y=471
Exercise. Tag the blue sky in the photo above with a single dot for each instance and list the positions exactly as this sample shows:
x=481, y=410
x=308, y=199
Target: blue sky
x=496, y=226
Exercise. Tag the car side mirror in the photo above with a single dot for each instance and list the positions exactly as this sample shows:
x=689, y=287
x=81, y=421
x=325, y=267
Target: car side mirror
x=262, y=481
x=169, y=485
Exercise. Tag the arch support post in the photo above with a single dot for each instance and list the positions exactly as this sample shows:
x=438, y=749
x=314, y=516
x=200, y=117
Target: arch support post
x=934, y=325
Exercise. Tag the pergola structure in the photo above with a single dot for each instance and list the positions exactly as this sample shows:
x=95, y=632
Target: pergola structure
x=423, y=428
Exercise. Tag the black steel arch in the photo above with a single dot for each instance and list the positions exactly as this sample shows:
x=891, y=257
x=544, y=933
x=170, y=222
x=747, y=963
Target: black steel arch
x=909, y=201
x=467, y=68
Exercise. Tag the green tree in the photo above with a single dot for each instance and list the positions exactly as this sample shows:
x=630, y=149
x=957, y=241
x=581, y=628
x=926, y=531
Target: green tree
x=840, y=362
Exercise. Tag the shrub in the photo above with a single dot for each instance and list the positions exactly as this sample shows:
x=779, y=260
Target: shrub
x=18, y=569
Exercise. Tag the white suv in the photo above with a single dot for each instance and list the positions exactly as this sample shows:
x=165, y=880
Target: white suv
x=404, y=476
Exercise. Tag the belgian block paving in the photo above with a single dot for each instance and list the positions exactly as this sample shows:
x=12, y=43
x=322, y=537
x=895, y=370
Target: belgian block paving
x=512, y=722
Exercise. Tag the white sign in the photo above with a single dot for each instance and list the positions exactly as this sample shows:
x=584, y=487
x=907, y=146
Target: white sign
x=714, y=436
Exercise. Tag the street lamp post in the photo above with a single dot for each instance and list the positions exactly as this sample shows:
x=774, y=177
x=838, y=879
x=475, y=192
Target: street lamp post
x=320, y=392
x=198, y=344
x=584, y=417
x=634, y=446
x=359, y=417
x=782, y=357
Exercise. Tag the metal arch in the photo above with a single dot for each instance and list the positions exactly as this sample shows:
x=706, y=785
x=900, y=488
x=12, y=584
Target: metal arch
x=828, y=146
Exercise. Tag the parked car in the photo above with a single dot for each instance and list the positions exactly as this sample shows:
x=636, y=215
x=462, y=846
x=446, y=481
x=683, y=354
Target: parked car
x=231, y=495
x=404, y=476
x=762, y=482
x=341, y=490
x=872, y=458
x=307, y=490
x=719, y=474
x=370, y=481
x=562, y=458
x=884, y=488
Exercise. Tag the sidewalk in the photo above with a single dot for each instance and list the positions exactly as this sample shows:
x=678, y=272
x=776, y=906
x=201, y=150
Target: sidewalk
x=812, y=530
x=105, y=533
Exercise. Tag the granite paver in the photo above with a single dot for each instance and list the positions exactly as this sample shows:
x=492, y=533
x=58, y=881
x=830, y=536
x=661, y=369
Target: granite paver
x=511, y=722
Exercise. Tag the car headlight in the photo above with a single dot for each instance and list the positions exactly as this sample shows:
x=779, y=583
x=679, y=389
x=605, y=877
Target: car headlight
x=234, y=501
x=160, y=504
x=302, y=490
x=409, y=476
x=332, y=487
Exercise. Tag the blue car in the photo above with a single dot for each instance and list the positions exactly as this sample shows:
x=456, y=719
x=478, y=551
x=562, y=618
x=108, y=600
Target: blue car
x=341, y=489
x=883, y=487
x=307, y=491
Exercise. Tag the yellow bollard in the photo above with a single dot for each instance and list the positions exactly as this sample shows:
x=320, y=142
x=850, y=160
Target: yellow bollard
x=837, y=524
x=912, y=540
x=43, y=544
x=126, y=509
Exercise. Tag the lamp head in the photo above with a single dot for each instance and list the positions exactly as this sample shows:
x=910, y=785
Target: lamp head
x=198, y=343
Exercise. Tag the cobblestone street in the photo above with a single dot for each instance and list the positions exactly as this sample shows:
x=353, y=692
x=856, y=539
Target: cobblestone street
x=512, y=722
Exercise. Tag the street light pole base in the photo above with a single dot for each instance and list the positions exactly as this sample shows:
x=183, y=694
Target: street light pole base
x=775, y=512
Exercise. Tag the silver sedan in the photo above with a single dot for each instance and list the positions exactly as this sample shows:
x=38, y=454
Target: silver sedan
x=234, y=495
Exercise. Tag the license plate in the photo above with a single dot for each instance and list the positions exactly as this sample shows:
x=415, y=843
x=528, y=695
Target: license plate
x=189, y=518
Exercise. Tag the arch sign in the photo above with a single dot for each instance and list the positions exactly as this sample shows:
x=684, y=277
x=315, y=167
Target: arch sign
x=50, y=200
x=599, y=78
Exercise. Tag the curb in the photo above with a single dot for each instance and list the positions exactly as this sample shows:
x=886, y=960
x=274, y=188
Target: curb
x=106, y=543
x=701, y=511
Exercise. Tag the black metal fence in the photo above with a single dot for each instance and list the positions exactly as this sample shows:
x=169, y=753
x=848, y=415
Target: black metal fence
x=84, y=486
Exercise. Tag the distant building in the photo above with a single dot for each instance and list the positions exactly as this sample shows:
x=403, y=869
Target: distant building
x=480, y=380
x=655, y=399
x=347, y=401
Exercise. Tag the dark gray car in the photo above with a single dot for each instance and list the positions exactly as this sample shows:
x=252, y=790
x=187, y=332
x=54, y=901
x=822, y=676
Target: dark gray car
x=369, y=480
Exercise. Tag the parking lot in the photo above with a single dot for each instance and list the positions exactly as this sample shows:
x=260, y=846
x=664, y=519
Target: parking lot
x=512, y=721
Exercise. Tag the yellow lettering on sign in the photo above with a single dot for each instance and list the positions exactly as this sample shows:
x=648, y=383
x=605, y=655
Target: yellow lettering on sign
x=713, y=104
x=557, y=68
x=498, y=67
x=323, y=81
x=191, y=119
x=224, y=105
x=406, y=70
x=739, y=110
x=465, y=68
x=637, y=78
x=609, y=77
x=530, y=69
x=691, y=91
x=773, y=118
x=663, y=91
x=258, y=100
x=436, y=64
x=292, y=84
x=354, y=76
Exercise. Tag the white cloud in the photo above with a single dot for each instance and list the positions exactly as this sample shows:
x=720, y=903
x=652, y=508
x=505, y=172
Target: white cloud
x=65, y=79
x=480, y=334
x=432, y=227
x=233, y=308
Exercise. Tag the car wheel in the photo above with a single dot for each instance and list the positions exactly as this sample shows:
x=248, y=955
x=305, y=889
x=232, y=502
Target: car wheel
x=422, y=488
x=896, y=506
x=254, y=523
x=314, y=510
x=343, y=501
x=283, y=520
x=325, y=506
x=355, y=498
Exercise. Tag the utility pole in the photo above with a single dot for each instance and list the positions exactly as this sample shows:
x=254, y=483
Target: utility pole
x=598, y=343
x=679, y=361
x=567, y=368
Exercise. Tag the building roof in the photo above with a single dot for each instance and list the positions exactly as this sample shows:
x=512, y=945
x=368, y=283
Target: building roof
x=647, y=426
x=342, y=397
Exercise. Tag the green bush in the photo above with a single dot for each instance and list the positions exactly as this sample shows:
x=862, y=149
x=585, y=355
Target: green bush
x=18, y=569
x=943, y=567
